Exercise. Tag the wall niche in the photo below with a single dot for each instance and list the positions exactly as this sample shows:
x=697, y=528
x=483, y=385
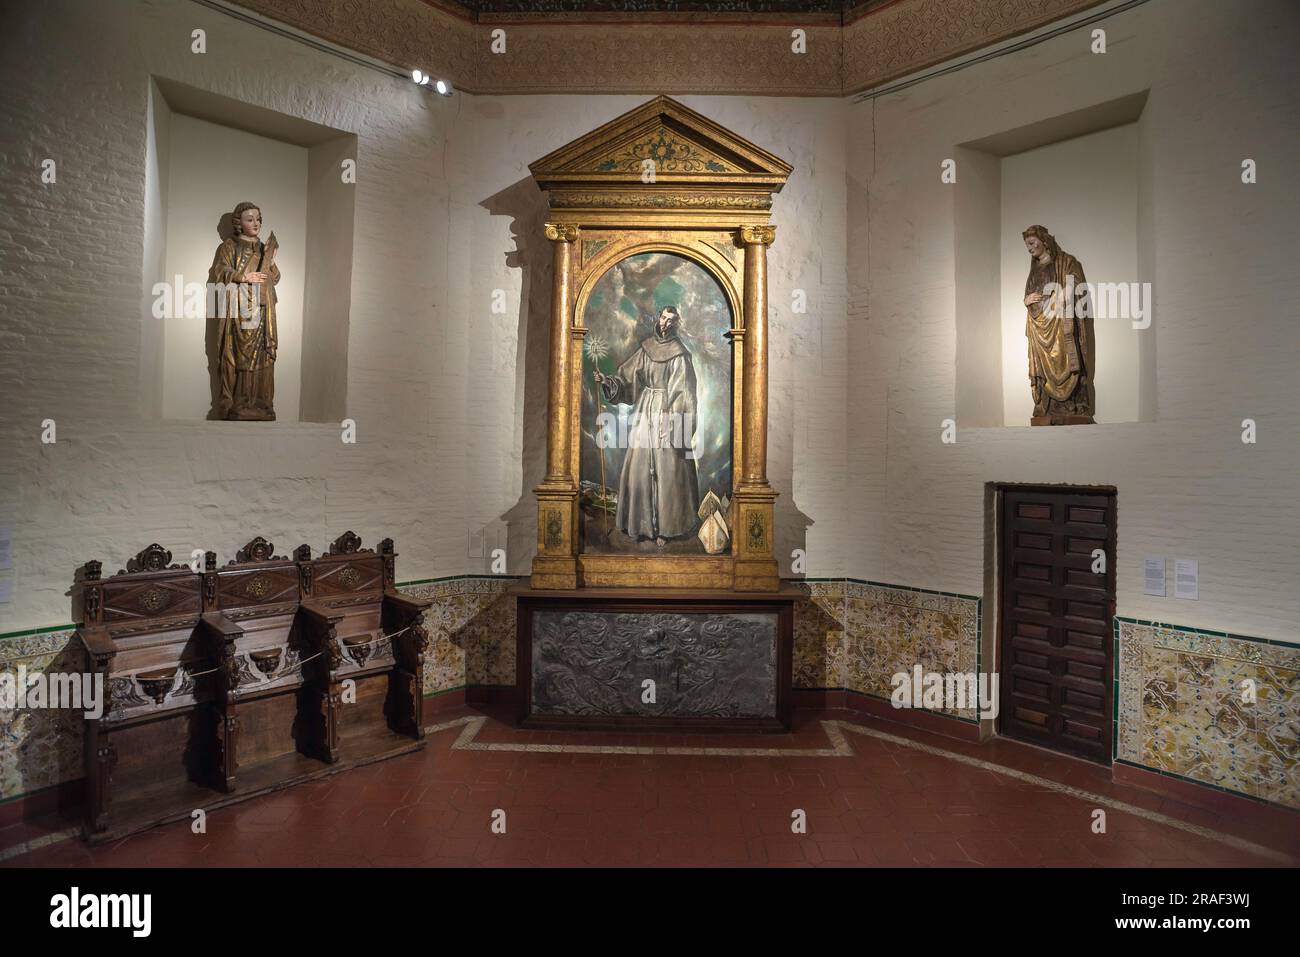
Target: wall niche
x=205, y=154
x=1084, y=176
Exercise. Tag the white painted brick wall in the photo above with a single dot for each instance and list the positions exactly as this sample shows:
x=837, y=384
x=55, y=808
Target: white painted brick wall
x=77, y=75
x=449, y=398
x=1223, y=87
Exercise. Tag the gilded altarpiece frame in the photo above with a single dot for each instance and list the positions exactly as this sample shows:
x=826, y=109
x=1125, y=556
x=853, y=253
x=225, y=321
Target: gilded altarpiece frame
x=659, y=179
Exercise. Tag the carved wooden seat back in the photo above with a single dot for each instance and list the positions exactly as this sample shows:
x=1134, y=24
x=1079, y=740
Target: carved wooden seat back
x=350, y=581
x=141, y=633
x=373, y=637
x=243, y=669
x=253, y=616
x=140, y=625
x=258, y=593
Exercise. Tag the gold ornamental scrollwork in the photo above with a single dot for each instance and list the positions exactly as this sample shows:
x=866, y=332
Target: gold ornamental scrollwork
x=561, y=232
x=757, y=235
x=669, y=153
x=612, y=200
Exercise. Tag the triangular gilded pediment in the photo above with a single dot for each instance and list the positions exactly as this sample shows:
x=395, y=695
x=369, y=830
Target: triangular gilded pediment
x=680, y=142
x=669, y=149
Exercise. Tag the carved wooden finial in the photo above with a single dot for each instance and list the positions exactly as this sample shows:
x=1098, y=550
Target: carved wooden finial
x=258, y=550
x=346, y=544
x=90, y=571
x=302, y=553
x=152, y=559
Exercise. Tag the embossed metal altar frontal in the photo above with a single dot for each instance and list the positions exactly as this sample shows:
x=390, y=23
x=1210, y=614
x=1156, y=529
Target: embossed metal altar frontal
x=654, y=659
x=665, y=195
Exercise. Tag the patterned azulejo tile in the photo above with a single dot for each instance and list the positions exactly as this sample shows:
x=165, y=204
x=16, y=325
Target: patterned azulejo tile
x=891, y=630
x=39, y=747
x=472, y=630
x=1218, y=709
x=820, y=635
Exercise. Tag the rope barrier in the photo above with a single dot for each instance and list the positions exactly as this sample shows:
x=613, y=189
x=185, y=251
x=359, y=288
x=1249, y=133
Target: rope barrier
x=284, y=671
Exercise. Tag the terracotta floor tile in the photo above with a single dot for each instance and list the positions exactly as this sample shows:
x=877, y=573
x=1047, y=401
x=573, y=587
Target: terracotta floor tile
x=887, y=804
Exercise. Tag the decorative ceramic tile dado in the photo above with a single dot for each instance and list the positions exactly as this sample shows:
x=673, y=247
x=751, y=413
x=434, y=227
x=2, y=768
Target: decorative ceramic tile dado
x=1182, y=709
x=819, y=645
x=17, y=649
x=472, y=626
x=890, y=629
x=1179, y=709
x=39, y=747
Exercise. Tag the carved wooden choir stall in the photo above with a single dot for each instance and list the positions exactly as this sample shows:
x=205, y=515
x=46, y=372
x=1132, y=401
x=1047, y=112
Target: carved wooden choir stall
x=655, y=598
x=230, y=682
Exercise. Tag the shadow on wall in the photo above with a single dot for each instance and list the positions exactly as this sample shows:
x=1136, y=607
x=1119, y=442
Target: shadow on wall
x=526, y=206
x=472, y=625
x=792, y=524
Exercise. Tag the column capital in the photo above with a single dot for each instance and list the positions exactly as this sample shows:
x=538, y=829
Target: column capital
x=757, y=235
x=562, y=232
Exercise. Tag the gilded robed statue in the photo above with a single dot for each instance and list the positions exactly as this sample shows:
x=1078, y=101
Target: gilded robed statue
x=245, y=274
x=1062, y=349
x=658, y=491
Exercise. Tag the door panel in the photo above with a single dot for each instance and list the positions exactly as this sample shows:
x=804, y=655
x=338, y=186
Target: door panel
x=1055, y=645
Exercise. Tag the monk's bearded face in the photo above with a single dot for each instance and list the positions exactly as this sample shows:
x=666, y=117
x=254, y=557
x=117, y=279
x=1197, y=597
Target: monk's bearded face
x=667, y=324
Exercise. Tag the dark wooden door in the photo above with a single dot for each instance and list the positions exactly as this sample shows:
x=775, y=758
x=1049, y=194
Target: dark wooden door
x=1055, y=646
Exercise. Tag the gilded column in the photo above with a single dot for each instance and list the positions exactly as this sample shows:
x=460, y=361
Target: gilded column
x=555, y=564
x=756, y=568
x=756, y=240
x=557, y=432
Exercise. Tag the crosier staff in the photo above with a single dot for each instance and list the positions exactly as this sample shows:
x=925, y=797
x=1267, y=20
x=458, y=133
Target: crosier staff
x=596, y=351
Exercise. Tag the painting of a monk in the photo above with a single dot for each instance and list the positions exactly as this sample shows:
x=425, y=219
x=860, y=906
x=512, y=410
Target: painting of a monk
x=656, y=409
x=658, y=492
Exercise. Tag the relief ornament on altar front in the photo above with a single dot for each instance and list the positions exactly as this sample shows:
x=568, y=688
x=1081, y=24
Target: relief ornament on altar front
x=701, y=665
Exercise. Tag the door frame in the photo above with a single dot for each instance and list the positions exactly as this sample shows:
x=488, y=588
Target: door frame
x=995, y=494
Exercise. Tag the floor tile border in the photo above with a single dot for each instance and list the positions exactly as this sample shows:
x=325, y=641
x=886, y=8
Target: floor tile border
x=841, y=748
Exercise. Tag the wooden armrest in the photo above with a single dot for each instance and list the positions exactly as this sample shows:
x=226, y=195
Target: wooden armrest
x=221, y=626
x=97, y=641
x=409, y=606
x=320, y=614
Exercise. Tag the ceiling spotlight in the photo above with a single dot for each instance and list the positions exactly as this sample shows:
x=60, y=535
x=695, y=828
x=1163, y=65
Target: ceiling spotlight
x=420, y=77
x=444, y=87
